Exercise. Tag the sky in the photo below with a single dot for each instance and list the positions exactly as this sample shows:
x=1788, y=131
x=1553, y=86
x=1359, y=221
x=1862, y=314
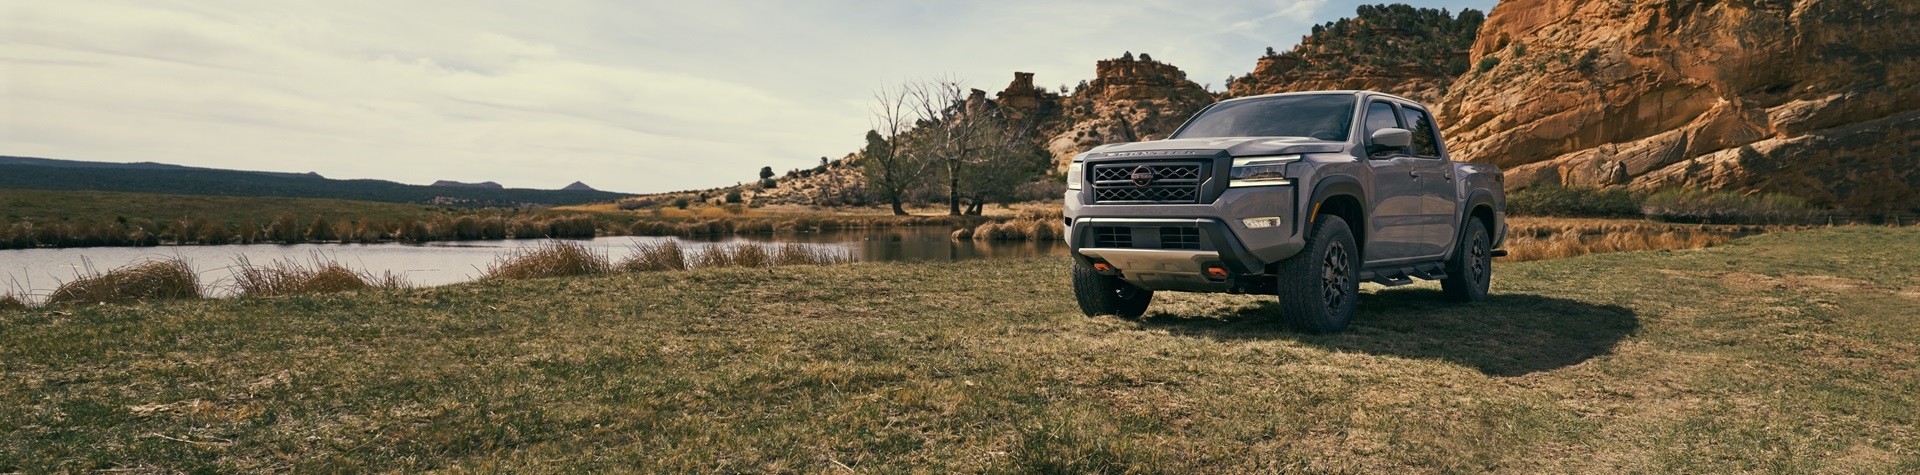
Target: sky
x=632, y=96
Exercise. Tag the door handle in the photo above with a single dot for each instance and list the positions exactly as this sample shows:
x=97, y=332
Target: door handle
x=1414, y=173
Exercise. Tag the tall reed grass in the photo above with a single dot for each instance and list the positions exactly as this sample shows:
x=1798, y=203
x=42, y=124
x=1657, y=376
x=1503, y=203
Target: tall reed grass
x=548, y=259
x=290, y=229
x=1015, y=230
x=718, y=225
x=319, y=276
x=1548, y=238
x=663, y=256
x=152, y=280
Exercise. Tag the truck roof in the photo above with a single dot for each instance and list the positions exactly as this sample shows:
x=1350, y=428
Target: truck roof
x=1335, y=91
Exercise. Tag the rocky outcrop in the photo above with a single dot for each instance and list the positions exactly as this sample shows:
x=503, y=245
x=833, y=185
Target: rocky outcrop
x=1128, y=100
x=1397, y=49
x=1816, y=98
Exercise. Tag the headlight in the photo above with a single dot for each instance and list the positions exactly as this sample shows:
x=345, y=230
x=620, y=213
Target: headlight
x=1262, y=171
x=1073, y=176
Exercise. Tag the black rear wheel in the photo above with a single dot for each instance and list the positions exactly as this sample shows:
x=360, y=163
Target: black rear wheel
x=1107, y=295
x=1318, y=286
x=1470, y=273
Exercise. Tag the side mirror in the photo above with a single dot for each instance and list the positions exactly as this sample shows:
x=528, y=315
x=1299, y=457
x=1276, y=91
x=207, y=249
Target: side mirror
x=1389, y=139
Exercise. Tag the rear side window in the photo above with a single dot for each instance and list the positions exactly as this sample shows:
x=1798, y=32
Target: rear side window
x=1426, y=139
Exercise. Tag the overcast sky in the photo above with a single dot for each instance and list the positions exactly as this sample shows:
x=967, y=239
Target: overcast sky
x=634, y=96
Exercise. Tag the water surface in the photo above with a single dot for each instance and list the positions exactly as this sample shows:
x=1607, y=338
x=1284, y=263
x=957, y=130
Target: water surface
x=36, y=272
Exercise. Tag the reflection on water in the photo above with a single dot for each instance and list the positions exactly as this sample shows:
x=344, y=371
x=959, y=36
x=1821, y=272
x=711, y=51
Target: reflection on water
x=35, y=272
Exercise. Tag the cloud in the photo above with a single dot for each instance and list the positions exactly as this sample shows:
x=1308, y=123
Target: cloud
x=631, y=96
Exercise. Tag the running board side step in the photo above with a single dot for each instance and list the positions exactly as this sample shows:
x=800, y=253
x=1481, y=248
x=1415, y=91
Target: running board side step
x=1398, y=276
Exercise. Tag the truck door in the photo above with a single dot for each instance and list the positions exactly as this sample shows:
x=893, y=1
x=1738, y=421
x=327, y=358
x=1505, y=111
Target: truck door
x=1398, y=208
x=1433, y=174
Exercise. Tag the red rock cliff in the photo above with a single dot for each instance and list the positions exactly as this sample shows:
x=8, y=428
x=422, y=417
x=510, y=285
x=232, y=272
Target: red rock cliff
x=1817, y=98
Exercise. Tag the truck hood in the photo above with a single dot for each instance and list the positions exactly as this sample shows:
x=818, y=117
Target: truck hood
x=1235, y=146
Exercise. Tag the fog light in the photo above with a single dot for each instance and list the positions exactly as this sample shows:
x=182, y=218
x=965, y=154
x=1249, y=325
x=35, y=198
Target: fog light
x=1257, y=223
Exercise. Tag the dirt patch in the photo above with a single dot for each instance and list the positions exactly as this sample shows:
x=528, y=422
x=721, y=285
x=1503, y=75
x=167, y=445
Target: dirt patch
x=1756, y=282
x=1825, y=282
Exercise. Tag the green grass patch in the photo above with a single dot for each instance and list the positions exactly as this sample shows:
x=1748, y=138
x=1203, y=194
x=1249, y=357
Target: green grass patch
x=1788, y=352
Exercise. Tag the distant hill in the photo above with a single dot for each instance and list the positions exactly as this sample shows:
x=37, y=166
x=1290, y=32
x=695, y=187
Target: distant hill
x=485, y=184
x=49, y=174
x=578, y=186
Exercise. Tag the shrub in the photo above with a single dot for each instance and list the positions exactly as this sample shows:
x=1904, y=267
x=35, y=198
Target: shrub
x=733, y=196
x=1575, y=202
x=152, y=280
x=1487, y=64
x=681, y=202
x=549, y=259
x=1695, y=206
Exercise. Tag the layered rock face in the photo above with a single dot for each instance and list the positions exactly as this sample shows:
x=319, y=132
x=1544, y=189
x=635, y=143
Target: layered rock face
x=1127, y=101
x=1396, y=49
x=1815, y=98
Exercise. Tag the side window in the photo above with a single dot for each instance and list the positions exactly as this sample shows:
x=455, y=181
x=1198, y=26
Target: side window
x=1380, y=116
x=1426, y=141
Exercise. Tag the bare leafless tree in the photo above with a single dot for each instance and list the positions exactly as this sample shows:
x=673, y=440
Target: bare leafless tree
x=890, y=169
x=952, y=127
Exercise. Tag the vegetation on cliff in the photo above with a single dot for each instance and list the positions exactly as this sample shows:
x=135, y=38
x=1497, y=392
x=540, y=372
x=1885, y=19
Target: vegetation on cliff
x=1415, y=52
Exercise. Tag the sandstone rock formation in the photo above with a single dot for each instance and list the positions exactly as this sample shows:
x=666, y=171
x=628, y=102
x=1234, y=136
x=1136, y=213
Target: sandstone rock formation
x=1815, y=98
x=1397, y=49
x=1128, y=100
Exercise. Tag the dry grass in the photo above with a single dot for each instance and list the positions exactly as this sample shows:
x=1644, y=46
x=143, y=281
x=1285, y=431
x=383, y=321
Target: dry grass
x=663, y=256
x=720, y=225
x=320, y=276
x=151, y=280
x=792, y=254
x=10, y=302
x=1797, y=359
x=1530, y=238
x=759, y=255
x=1015, y=230
x=548, y=259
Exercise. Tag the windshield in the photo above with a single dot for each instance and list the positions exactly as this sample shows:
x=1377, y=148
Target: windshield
x=1320, y=116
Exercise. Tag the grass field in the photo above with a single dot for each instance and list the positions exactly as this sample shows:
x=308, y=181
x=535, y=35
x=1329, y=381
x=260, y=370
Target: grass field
x=1790, y=352
x=101, y=206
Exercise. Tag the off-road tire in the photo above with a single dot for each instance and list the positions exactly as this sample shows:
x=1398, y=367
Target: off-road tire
x=1470, y=272
x=1318, y=286
x=1107, y=295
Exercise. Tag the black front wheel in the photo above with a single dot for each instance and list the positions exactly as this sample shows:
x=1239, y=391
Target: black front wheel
x=1470, y=273
x=1318, y=286
x=1107, y=295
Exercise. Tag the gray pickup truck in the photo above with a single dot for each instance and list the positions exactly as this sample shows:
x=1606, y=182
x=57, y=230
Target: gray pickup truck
x=1300, y=195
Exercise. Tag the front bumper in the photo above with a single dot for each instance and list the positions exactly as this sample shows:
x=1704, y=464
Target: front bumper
x=1224, y=239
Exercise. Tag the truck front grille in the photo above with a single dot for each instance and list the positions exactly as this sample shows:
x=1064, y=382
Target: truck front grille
x=1152, y=182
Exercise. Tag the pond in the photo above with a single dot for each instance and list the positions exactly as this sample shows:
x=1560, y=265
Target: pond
x=36, y=272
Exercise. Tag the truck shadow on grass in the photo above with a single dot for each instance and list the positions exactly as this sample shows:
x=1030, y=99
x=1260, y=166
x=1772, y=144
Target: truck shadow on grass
x=1505, y=335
